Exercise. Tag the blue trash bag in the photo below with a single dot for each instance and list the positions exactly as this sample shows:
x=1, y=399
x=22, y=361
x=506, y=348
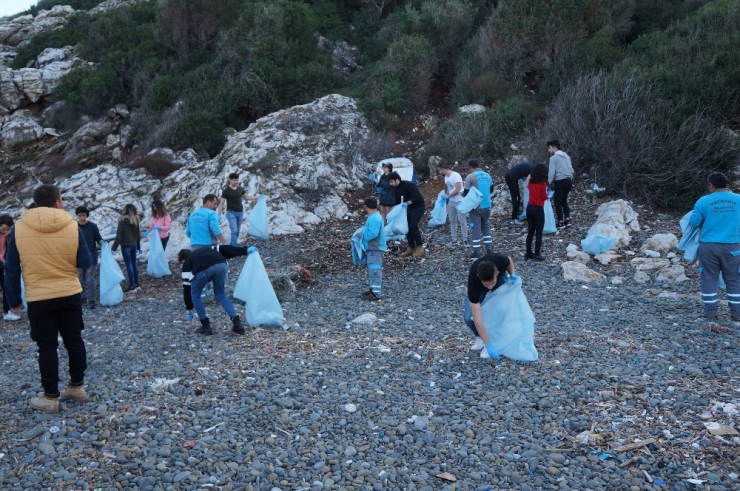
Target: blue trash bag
x=257, y=219
x=23, y=294
x=525, y=201
x=398, y=224
x=510, y=322
x=550, y=227
x=471, y=201
x=157, y=265
x=111, y=277
x=359, y=258
x=596, y=244
x=689, y=242
x=439, y=212
x=254, y=287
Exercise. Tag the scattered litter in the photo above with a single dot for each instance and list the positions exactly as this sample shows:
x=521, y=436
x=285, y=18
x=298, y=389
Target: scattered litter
x=633, y=446
x=447, y=477
x=727, y=408
x=188, y=444
x=605, y=456
x=162, y=383
x=717, y=329
x=659, y=482
x=214, y=427
x=415, y=355
x=698, y=482
x=720, y=429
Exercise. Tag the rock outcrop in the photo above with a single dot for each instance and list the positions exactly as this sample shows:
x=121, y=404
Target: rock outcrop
x=19, y=30
x=615, y=219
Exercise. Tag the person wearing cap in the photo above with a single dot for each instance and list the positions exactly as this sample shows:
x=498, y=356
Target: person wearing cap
x=387, y=198
x=480, y=217
x=408, y=196
x=454, y=187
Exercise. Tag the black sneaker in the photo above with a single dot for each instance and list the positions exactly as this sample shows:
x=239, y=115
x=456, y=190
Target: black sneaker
x=566, y=223
x=372, y=297
x=537, y=257
x=475, y=254
x=528, y=256
x=560, y=225
x=91, y=305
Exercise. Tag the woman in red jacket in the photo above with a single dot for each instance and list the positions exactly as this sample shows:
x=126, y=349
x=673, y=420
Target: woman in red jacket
x=537, y=185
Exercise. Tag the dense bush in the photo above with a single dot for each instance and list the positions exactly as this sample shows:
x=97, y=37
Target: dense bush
x=655, y=15
x=411, y=61
x=49, y=4
x=618, y=128
x=195, y=25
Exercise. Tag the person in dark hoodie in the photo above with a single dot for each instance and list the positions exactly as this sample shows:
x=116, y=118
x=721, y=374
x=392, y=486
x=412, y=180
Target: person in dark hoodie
x=408, y=196
x=208, y=265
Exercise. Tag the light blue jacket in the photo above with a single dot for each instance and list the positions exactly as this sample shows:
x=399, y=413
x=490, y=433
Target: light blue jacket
x=373, y=234
x=718, y=215
x=202, y=226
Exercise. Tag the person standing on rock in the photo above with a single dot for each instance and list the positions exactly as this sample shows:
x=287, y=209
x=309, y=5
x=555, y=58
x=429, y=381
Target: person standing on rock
x=374, y=245
x=560, y=177
x=232, y=195
x=387, y=194
x=454, y=187
x=485, y=275
x=208, y=265
x=517, y=173
x=161, y=220
x=49, y=246
x=128, y=235
x=408, y=196
x=202, y=225
x=93, y=239
x=718, y=215
x=480, y=217
x=537, y=184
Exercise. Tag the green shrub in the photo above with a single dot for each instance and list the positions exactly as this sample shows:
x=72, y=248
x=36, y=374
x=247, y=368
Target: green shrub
x=618, y=128
x=656, y=15
x=411, y=61
x=195, y=25
x=202, y=131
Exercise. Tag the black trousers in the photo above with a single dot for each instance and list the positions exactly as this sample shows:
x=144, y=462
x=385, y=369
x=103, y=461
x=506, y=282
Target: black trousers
x=6, y=307
x=50, y=319
x=562, y=188
x=535, y=224
x=413, y=215
x=516, y=197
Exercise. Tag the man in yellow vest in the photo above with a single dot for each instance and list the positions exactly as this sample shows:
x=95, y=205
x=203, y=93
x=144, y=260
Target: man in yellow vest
x=49, y=246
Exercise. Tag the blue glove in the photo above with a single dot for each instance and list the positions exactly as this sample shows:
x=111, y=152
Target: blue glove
x=251, y=249
x=156, y=227
x=145, y=234
x=372, y=176
x=445, y=197
x=404, y=205
x=258, y=196
x=513, y=277
x=189, y=317
x=492, y=351
x=139, y=252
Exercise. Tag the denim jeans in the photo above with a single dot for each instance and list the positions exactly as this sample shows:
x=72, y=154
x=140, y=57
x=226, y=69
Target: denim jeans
x=87, y=280
x=503, y=277
x=235, y=225
x=50, y=319
x=216, y=274
x=129, y=259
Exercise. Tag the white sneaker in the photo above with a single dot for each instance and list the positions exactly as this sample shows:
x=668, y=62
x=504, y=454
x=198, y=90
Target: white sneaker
x=478, y=344
x=484, y=353
x=10, y=316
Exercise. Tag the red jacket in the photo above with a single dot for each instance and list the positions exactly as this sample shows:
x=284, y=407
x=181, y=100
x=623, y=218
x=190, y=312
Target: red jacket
x=537, y=193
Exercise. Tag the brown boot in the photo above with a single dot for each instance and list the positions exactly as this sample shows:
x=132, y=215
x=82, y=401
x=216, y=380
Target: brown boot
x=74, y=393
x=49, y=405
x=419, y=252
x=409, y=252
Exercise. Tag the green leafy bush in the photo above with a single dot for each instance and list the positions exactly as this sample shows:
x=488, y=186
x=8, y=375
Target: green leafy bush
x=411, y=61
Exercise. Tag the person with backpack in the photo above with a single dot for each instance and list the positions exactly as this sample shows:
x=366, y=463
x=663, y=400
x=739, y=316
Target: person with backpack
x=480, y=217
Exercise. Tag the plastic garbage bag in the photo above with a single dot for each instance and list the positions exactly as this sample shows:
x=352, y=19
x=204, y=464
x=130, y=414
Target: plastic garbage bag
x=398, y=224
x=596, y=244
x=439, y=212
x=23, y=294
x=157, y=265
x=510, y=322
x=550, y=227
x=689, y=242
x=359, y=258
x=257, y=219
x=254, y=287
x=525, y=201
x=111, y=277
x=471, y=201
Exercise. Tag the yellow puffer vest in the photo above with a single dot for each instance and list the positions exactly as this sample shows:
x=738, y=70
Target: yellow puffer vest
x=47, y=241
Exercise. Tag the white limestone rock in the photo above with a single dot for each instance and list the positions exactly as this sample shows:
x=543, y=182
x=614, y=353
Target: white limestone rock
x=674, y=273
x=19, y=30
x=472, y=108
x=660, y=243
x=571, y=247
x=650, y=253
x=607, y=257
x=19, y=129
x=641, y=277
x=579, y=256
x=575, y=271
x=617, y=280
x=649, y=263
x=615, y=219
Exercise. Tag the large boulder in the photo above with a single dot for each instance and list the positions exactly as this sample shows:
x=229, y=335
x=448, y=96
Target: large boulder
x=19, y=30
x=660, y=243
x=615, y=219
x=19, y=129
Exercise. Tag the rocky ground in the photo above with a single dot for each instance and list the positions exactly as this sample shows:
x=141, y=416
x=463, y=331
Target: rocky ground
x=627, y=379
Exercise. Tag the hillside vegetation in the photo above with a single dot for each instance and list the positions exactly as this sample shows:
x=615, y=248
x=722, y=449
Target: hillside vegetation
x=643, y=93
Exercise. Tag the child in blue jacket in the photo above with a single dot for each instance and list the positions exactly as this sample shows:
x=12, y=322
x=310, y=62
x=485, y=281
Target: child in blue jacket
x=373, y=242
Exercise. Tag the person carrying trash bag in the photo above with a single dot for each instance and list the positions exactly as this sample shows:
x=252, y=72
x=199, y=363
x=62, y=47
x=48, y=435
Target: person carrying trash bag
x=718, y=216
x=480, y=217
x=454, y=187
x=537, y=184
x=373, y=243
x=516, y=173
x=208, y=265
x=413, y=202
x=485, y=275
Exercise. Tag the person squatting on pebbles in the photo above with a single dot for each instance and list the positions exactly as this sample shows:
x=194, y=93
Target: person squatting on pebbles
x=232, y=195
x=485, y=275
x=480, y=217
x=208, y=265
x=92, y=237
x=408, y=195
x=128, y=236
x=50, y=247
x=560, y=177
x=718, y=215
x=453, y=196
x=537, y=185
x=374, y=245
x=512, y=177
